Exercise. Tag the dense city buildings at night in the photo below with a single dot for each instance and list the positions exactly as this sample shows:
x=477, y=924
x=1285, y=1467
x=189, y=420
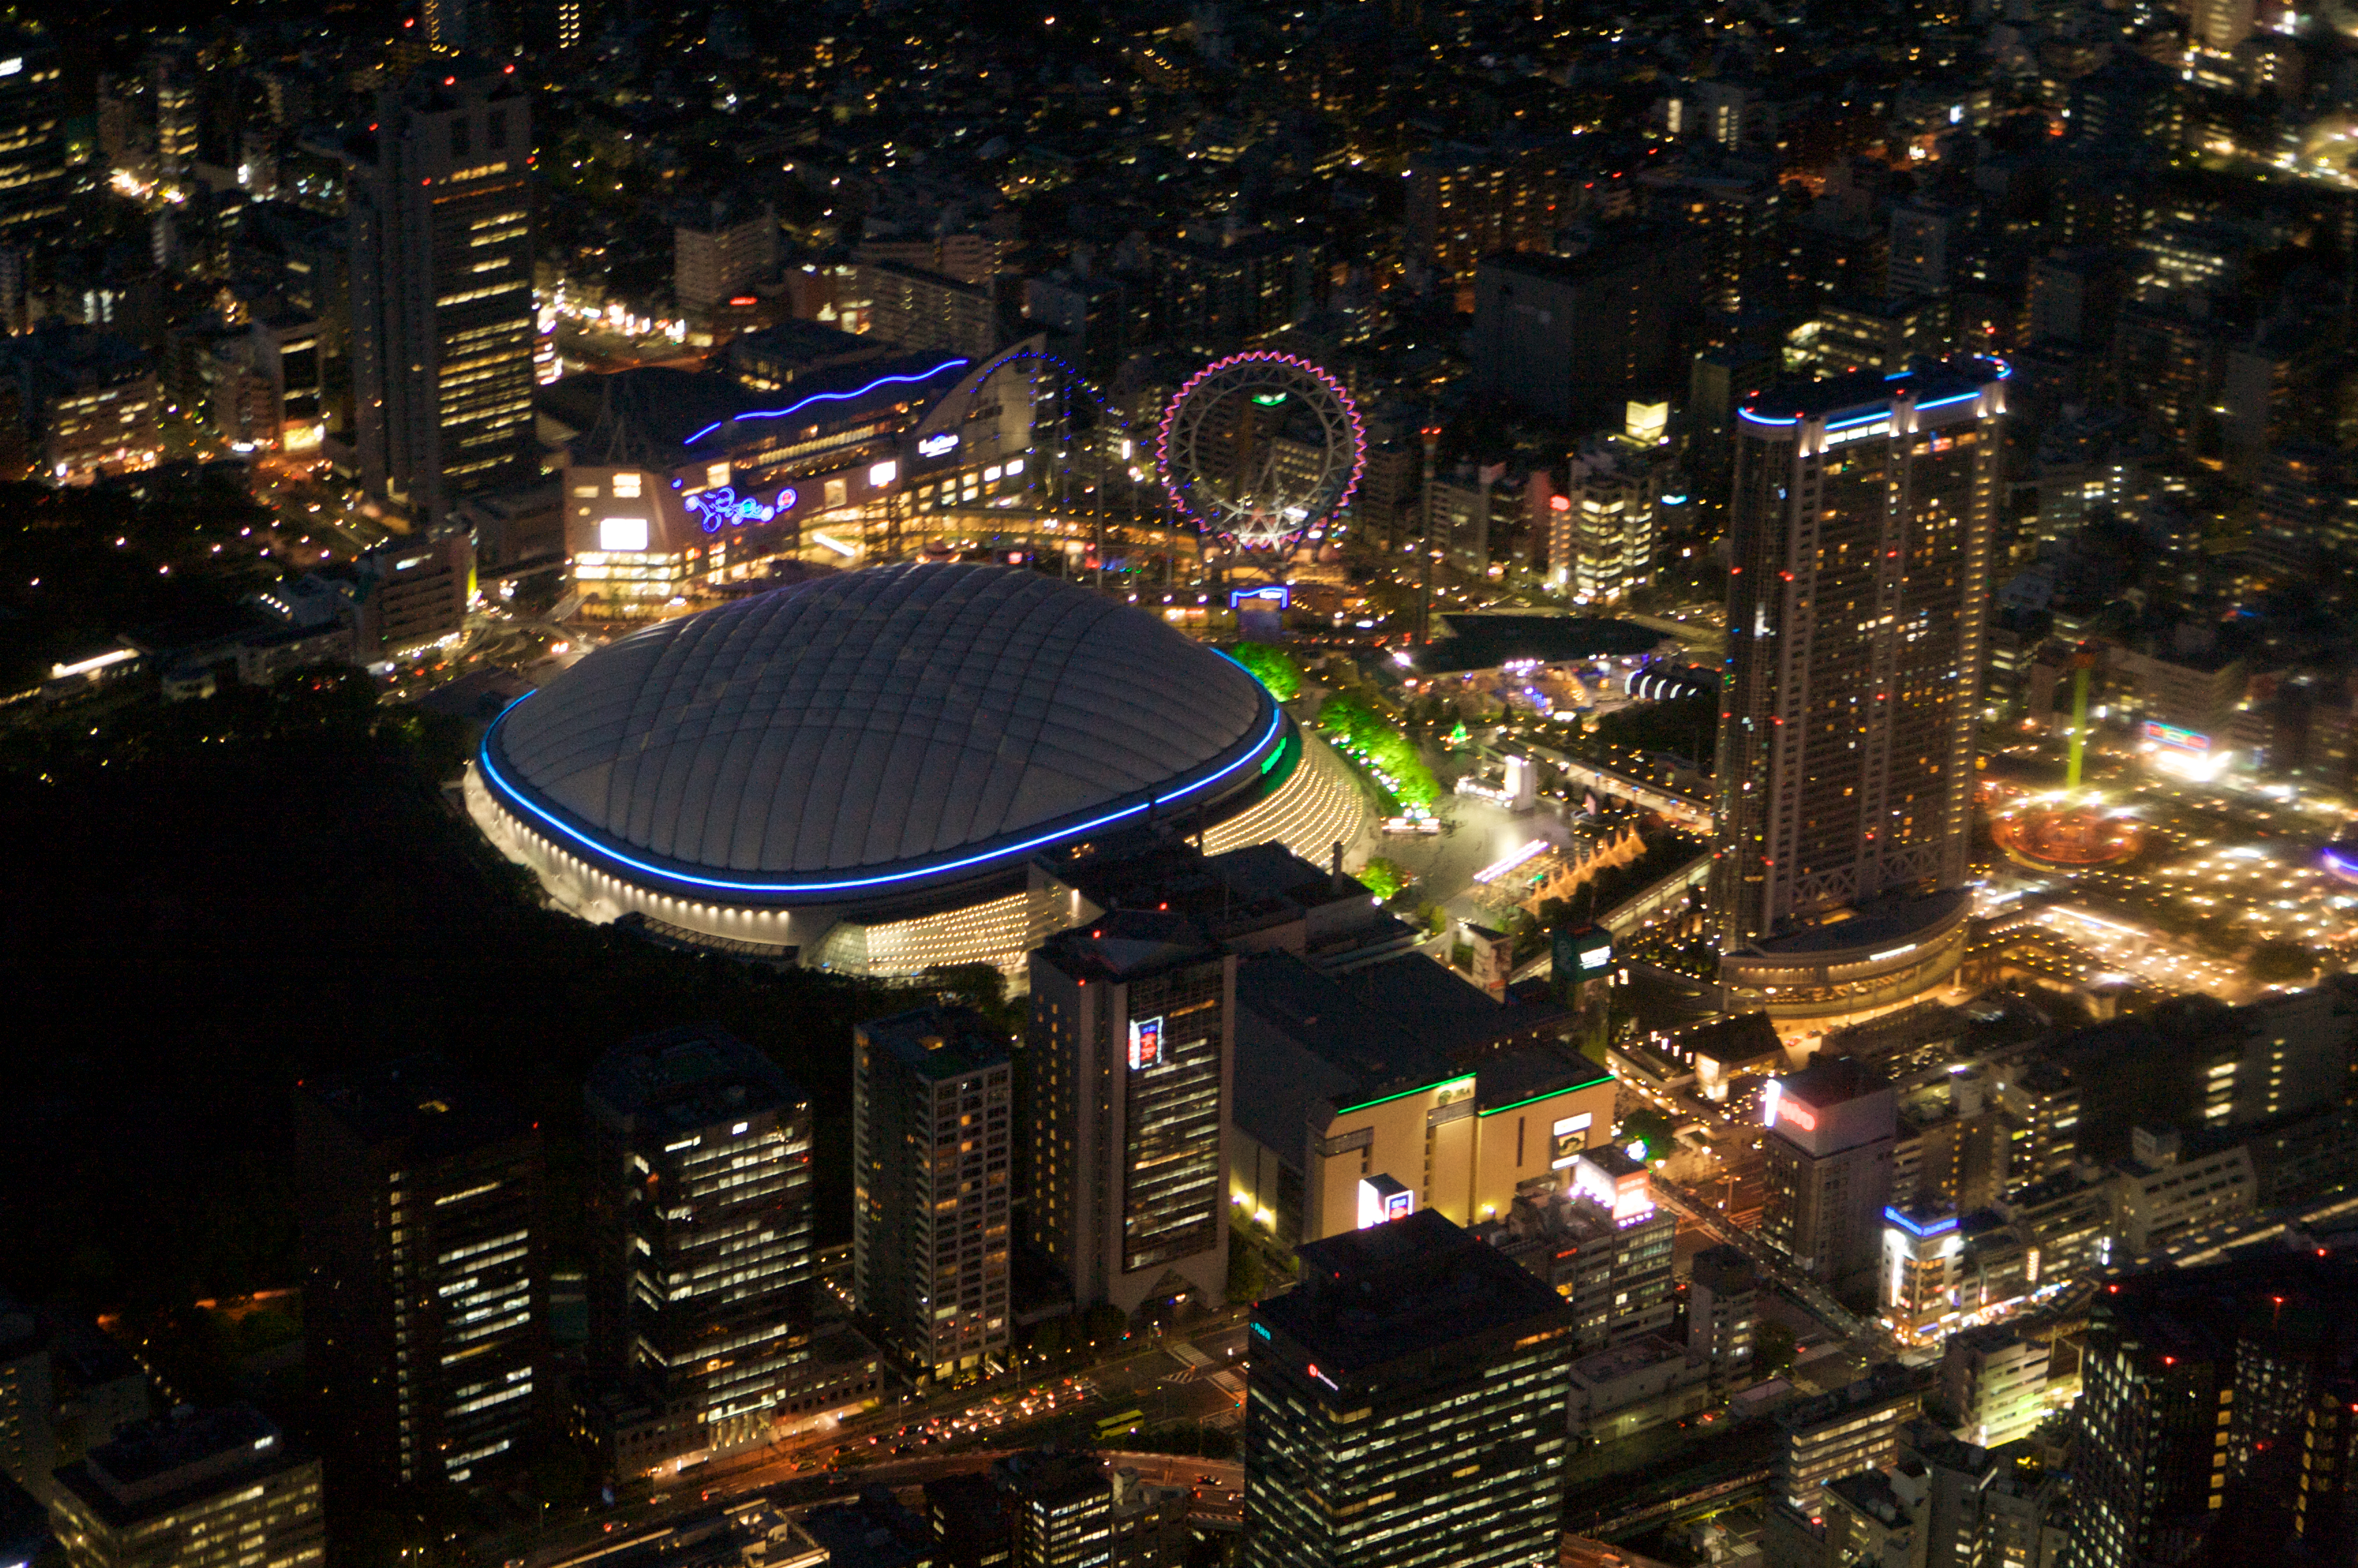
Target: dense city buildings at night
x=1440, y=780
x=424, y=1253
x=933, y=1135
x=699, y=1155
x=1407, y=1405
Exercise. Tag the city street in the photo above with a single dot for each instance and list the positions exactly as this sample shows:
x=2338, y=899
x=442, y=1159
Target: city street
x=1169, y=1383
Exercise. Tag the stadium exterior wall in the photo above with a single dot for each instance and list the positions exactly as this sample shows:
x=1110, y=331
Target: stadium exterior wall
x=1320, y=805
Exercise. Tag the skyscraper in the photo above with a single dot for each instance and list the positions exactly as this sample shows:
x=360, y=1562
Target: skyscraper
x=27, y=1446
x=425, y=1293
x=2198, y=1433
x=932, y=1111
x=1832, y=1127
x=33, y=175
x=1132, y=1046
x=1858, y=585
x=441, y=283
x=700, y=1176
x=1407, y=1405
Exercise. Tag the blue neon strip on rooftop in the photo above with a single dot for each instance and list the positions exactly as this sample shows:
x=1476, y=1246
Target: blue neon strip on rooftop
x=1938, y=1228
x=827, y=397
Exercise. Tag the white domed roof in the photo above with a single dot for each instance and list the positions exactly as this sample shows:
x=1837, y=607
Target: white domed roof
x=877, y=727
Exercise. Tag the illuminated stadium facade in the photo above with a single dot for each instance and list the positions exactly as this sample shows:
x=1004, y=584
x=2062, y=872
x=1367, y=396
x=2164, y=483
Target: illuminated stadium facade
x=869, y=769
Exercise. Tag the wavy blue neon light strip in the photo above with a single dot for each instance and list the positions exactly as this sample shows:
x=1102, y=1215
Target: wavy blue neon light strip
x=1858, y=419
x=826, y=398
x=1759, y=419
x=510, y=793
x=1944, y=402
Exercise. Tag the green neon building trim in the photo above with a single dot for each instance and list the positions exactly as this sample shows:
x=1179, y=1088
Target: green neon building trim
x=1428, y=1088
x=1502, y=1110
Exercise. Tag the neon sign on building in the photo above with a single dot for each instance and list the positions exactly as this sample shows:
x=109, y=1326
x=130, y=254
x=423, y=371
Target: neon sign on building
x=1145, y=1043
x=724, y=508
x=1776, y=1107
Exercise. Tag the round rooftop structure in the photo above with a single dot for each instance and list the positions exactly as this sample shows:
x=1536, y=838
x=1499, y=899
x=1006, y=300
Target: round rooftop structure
x=868, y=746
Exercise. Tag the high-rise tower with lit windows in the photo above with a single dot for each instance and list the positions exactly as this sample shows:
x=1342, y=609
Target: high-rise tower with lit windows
x=1858, y=585
x=426, y=1290
x=698, y=1160
x=442, y=315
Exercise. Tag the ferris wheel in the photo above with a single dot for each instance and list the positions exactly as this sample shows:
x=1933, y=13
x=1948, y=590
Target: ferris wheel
x=1258, y=450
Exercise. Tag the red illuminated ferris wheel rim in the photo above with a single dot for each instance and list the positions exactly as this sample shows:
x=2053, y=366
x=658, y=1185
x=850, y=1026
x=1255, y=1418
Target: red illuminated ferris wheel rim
x=1341, y=418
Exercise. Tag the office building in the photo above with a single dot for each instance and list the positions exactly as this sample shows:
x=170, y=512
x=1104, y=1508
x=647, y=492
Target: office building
x=1602, y=1243
x=1132, y=1057
x=1575, y=338
x=1213, y=294
x=1952, y=1147
x=1841, y=1432
x=1832, y=1127
x=411, y=594
x=1464, y=203
x=876, y=1531
x=442, y=319
x=1937, y=1503
x=1602, y=538
x=2038, y=1102
x=969, y=1518
x=424, y=1297
x=2162, y=1195
x=34, y=178
x=2204, y=1067
x=2197, y=1394
x=214, y=1488
x=175, y=68
x=452, y=25
x=89, y=402
x=1999, y=1380
x=924, y=310
x=1406, y=1406
x=27, y=1445
x=723, y=256
x=1846, y=336
x=98, y=1388
x=1857, y=590
x=699, y=1156
x=2325, y=1513
x=932, y=1137
x=1398, y=1070
x=1067, y=1510
x=1637, y=1384
x=1917, y=1287
x=1723, y=1307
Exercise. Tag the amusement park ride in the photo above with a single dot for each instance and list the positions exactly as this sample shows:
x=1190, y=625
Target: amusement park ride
x=1256, y=454
x=2076, y=830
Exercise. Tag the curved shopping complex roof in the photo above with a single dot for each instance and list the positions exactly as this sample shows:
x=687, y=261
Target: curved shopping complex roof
x=875, y=733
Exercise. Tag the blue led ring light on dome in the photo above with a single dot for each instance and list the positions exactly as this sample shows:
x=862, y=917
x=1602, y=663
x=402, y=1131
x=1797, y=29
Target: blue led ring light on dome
x=512, y=795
